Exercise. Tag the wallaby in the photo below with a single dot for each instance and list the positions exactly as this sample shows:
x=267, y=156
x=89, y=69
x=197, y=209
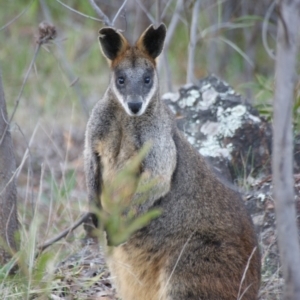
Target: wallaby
x=203, y=245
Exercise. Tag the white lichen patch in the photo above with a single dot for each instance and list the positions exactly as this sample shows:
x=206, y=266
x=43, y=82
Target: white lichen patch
x=171, y=96
x=255, y=119
x=211, y=147
x=193, y=128
x=239, y=110
x=188, y=86
x=181, y=103
x=190, y=100
x=210, y=128
x=261, y=197
x=209, y=97
x=231, y=92
x=191, y=140
x=173, y=109
x=223, y=123
x=205, y=87
x=228, y=121
x=194, y=93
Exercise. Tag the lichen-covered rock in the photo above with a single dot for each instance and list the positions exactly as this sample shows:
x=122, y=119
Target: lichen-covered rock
x=229, y=133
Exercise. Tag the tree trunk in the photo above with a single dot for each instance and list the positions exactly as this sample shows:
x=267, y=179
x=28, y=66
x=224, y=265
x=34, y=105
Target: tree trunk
x=193, y=41
x=282, y=161
x=8, y=191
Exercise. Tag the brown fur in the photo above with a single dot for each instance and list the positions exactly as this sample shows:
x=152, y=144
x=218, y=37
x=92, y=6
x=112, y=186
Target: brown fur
x=199, y=247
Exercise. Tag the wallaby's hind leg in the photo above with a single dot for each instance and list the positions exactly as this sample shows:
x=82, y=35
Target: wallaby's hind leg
x=214, y=288
x=203, y=270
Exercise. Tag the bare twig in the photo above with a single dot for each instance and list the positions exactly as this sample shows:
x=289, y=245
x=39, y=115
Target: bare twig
x=240, y=296
x=104, y=18
x=63, y=233
x=173, y=24
x=171, y=30
x=119, y=12
x=18, y=16
x=237, y=49
x=21, y=91
x=27, y=152
x=47, y=32
x=65, y=66
x=264, y=30
x=193, y=42
x=158, y=12
x=78, y=12
x=177, y=261
x=220, y=26
x=101, y=14
x=165, y=9
x=152, y=20
x=168, y=74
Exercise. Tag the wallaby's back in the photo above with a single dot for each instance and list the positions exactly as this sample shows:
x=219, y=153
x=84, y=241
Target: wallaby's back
x=203, y=245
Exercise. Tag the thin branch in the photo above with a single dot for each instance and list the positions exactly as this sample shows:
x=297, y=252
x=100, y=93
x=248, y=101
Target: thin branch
x=173, y=24
x=78, y=12
x=152, y=20
x=193, y=42
x=177, y=261
x=168, y=73
x=27, y=152
x=21, y=91
x=101, y=14
x=244, y=275
x=265, y=30
x=63, y=233
x=170, y=32
x=165, y=9
x=18, y=16
x=237, y=49
x=219, y=26
x=157, y=12
x=47, y=32
x=119, y=12
x=65, y=65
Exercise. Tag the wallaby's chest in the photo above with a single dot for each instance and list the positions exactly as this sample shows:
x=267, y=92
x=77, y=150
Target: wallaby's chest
x=115, y=150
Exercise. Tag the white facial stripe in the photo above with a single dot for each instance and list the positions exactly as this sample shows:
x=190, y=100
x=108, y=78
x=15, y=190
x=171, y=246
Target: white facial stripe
x=145, y=101
x=120, y=97
x=149, y=96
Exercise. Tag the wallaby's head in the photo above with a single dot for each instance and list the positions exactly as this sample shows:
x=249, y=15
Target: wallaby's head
x=134, y=78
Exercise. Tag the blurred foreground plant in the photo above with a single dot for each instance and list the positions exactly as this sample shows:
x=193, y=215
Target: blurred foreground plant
x=121, y=199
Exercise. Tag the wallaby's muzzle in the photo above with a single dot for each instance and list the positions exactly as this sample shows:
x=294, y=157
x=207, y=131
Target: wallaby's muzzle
x=135, y=107
x=134, y=104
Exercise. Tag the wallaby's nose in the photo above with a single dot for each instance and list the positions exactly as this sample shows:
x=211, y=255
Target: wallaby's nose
x=135, y=106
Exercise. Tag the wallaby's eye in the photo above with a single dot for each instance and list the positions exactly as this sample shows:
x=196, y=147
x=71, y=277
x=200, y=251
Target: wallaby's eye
x=121, y=80
x=147, y=80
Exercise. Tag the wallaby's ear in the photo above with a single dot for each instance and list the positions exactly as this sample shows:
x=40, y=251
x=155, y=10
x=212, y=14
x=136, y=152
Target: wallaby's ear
x=152, y=40
x=112, y=42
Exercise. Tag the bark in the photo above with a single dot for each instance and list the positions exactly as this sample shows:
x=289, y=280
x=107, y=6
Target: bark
x=282, y=161
x=8, y=190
